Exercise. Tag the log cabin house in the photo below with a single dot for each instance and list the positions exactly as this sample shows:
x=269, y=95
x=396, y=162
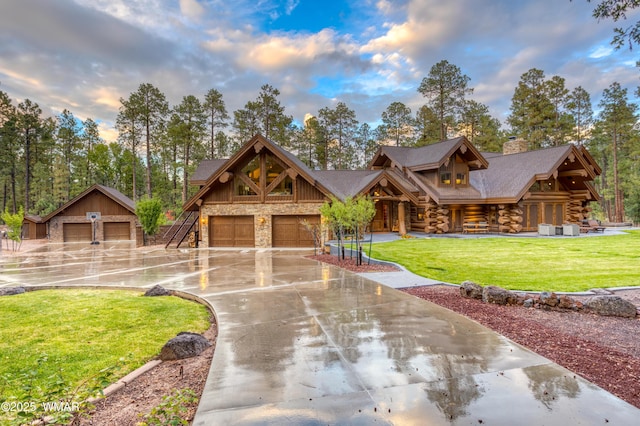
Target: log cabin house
x=259, y=196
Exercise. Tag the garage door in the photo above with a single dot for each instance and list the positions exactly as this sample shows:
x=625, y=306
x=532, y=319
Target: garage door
x=117, y=231
x=231, y=231
x=74, y=232
x=288, y=231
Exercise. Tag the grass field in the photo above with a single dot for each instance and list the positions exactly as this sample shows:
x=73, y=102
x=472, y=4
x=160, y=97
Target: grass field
x=520, y=263
x=84, y=331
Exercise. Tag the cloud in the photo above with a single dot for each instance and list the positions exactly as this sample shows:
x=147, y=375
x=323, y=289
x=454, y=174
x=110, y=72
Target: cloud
x=192, y=9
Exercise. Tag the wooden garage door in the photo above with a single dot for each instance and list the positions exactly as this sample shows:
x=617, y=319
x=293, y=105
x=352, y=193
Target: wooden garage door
x=74, y=232
x=289, y=232
x=115, y=231
x=231, y=231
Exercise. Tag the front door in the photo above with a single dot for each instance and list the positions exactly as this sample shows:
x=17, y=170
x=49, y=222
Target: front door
x=384, y=219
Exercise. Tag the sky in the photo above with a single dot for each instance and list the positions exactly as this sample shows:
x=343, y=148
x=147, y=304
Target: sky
x=85, y=55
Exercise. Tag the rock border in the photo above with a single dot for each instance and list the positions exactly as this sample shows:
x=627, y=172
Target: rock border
x=600, y=302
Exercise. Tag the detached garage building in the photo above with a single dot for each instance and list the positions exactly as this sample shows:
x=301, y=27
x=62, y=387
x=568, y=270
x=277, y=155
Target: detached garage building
x=100, y=209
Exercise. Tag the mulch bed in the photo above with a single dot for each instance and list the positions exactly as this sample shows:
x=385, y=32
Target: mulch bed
x=350, y=264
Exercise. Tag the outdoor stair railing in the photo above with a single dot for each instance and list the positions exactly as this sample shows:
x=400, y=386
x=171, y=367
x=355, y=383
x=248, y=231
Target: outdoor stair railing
x=181, y=228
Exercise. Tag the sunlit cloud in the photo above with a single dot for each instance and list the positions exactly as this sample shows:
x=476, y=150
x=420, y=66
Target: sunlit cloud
x=192, y=9
x=601, y=52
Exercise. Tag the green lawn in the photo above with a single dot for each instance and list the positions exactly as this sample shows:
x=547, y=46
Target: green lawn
x=520, y=263
x=84, y=331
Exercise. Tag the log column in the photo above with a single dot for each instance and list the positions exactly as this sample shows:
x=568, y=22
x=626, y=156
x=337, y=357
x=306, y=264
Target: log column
x=402, y=229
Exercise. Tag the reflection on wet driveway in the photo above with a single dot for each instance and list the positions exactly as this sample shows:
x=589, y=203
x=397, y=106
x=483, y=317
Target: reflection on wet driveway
x=305, y=343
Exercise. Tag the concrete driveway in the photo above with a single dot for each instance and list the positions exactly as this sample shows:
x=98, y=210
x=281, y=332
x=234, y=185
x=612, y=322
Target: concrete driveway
x=305, y=343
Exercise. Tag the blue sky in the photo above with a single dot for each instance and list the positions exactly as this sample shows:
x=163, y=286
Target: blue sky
x=84, y=55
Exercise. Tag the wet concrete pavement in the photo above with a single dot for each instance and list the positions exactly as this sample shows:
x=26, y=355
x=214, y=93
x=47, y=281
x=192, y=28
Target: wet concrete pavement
x=305, y=343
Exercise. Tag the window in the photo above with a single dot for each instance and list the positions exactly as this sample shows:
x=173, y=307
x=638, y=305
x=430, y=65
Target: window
x=250, y=174
x=461, y=178
x=445, y=178
x=252, y=170
x=284, y=187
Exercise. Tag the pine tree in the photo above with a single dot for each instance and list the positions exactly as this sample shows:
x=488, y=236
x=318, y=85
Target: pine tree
x=446, y=89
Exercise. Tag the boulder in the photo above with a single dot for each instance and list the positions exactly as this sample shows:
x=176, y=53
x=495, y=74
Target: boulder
x=498, y=295
x=157, y=290
x=549, y=299
x=614, y=306
x=10, y=291
x=528, y=303
x=184, y=345
x=471, y=290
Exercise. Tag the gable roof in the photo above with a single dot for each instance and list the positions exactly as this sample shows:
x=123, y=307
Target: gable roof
x=509, y=177
x=350, y=183
x=429, y=157
x=257, y=143
x=111, y=193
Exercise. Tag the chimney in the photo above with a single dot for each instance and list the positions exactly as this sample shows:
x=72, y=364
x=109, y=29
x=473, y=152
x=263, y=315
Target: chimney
x=514, y=146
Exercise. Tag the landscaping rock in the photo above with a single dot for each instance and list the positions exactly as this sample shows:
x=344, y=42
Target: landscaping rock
x=157, y=290
x=10, y=291
x=614, y=306
x=528, y=303
x=498, y=295
x=471, y=290
x=548, y=299
x=565, y=302
x=184, y=345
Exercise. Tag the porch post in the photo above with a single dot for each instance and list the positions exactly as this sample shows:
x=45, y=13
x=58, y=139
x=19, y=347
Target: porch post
x=401, y=225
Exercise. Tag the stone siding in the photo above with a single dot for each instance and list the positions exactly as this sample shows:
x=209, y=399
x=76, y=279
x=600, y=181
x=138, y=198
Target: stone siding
x=262, y=228
x=515, y=146
x=56, y=234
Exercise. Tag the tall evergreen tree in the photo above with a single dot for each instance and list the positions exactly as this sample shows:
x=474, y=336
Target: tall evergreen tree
x=90, y=139
x=477, y=125
x=340, y=126
x=617, y=122
x=150, y=108
x=446, y=89
x=217, y=119
x=532, y=113
x=130, y=134
x=579, y=107
x=188, y=126
x=9, y=143
x=69, y=147
x=398, y=123
x=428, y=129
x=562, y=123
x=29, y=122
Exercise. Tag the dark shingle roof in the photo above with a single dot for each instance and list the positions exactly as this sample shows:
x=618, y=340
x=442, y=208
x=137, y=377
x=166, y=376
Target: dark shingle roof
x=426, y=156
x=205, y=169
x=118, y=197
x=346, y=183
x=508, y=176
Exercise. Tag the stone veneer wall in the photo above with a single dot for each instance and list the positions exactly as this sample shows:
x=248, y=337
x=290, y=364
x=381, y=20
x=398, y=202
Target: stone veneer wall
x=262, y=231
x=515, y=146
x=56, y=234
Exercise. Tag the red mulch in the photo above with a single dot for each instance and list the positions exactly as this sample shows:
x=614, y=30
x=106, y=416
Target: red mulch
x=350, y=264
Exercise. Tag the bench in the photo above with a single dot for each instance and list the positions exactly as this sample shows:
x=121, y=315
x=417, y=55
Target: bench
x=591, y=225
x=481, y=227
